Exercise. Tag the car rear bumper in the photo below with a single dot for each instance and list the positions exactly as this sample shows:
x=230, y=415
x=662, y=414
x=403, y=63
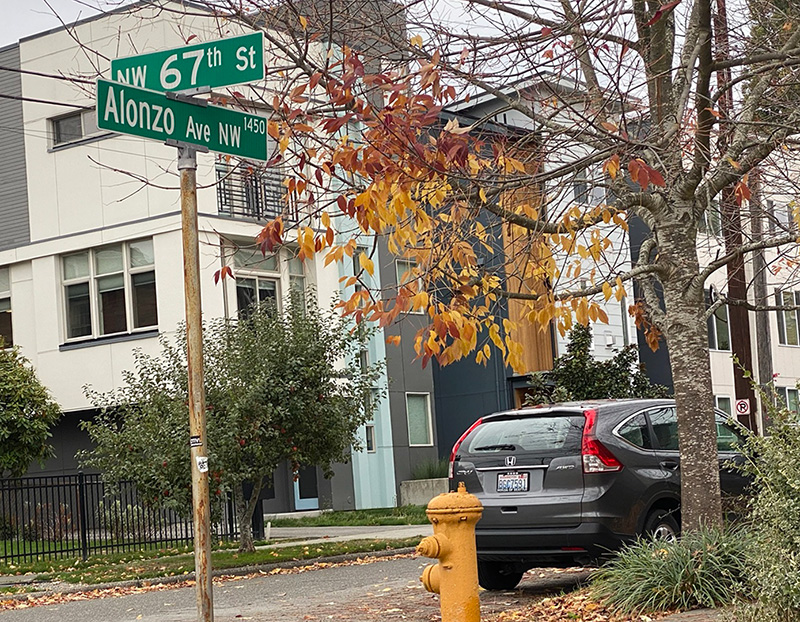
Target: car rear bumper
x=557, y=546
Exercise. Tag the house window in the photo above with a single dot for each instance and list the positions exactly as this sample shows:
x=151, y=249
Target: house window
x=110, y=290
x=73, y=127
x=718, y=331
x=418, y=412
x=724, y=404
x=369, y=431
x=711, y=222
x=6, y=334
x=789, y=396
x=258, y=278
x=580, y=187
x=788, y=321
x=297, y=277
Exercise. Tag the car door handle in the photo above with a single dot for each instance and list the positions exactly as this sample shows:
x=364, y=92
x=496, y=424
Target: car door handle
x=670, y=465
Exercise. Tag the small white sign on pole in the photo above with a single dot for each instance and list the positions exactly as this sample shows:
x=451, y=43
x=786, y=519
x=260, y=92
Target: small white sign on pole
x=742, y=407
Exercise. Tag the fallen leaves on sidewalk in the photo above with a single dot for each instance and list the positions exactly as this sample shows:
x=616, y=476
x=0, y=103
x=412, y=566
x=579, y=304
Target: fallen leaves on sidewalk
x=574, y=606
x=148, y=586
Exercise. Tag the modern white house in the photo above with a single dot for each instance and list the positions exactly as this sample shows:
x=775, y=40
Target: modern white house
x=91, y=260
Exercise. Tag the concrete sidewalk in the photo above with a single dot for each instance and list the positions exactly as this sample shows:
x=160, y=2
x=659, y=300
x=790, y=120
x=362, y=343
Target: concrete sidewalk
x=316, y=535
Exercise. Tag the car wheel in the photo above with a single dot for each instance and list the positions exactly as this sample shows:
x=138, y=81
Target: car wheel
x=497, y=576
x=661, y=525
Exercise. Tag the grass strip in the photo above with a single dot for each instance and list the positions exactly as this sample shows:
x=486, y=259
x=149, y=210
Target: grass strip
x=167, y=563
x=404, y=515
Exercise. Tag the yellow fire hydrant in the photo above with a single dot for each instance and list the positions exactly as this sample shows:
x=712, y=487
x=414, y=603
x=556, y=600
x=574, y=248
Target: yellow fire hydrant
x=455, y=577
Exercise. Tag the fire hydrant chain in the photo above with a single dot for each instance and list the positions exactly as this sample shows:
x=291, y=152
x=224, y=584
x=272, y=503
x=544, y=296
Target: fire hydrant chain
x=455, y=577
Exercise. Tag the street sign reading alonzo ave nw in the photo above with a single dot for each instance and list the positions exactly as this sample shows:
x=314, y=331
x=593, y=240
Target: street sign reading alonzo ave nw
x=130, y=110
x=217, y=63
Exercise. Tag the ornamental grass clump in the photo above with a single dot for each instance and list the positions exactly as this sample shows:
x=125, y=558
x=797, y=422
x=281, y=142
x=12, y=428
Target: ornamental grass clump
x=702, y=569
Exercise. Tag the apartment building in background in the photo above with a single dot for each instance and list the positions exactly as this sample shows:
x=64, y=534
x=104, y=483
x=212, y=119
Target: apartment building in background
x=91, y=260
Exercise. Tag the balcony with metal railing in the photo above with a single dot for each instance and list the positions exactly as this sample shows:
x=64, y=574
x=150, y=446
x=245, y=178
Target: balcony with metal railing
x=252, y=193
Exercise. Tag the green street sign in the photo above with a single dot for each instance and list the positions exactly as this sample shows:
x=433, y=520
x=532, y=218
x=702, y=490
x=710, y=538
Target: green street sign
x=223, y=62
x=130, y=110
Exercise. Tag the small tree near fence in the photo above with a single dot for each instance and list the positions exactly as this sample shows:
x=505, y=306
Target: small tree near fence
x=27, y=413
x=280, y=385
x=577, y=375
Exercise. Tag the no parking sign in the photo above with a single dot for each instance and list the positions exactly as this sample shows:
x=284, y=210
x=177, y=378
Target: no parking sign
x=742, y=407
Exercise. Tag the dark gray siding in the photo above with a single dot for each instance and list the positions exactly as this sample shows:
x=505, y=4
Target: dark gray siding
x=14, y=221
x=406, y=375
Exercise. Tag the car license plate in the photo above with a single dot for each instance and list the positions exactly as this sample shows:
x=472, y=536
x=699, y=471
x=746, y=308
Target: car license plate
x=512, y=482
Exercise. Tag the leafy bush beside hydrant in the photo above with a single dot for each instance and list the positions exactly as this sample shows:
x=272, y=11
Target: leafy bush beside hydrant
x=773, y=557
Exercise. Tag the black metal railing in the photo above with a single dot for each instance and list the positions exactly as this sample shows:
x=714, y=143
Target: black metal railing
x=53, y=517
x=246, y=192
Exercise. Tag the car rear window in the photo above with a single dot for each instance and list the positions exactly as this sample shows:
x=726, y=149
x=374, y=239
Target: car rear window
x=561, y=433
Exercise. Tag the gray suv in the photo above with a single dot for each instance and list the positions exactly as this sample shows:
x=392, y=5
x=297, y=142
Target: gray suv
x=569, y=483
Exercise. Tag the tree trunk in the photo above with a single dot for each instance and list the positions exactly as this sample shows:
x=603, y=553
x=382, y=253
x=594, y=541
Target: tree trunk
x=244, y=514
x=687, y=340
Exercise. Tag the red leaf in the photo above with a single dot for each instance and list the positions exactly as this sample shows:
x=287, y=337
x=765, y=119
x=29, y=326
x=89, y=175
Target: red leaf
x=656, y=178
x=662, y=10
x=190, y=38
x=546, y=32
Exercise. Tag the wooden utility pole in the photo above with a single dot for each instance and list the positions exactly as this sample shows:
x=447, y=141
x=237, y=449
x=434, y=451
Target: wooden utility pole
x=187, y=165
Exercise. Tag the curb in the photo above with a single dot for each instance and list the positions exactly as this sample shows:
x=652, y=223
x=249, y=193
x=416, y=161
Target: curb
x=227, y=572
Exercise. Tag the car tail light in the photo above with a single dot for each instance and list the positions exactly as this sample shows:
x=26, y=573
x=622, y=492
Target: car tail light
x=453, y=453
x=596, y=456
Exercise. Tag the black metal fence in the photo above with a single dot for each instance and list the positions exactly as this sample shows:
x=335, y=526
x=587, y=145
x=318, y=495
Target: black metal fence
x=80, y=515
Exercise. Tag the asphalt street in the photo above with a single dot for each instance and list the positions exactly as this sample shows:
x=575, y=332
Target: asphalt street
x=382, y=590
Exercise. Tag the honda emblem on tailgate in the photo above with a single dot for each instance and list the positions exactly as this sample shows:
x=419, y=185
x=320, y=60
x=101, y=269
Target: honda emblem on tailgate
x=511, y=461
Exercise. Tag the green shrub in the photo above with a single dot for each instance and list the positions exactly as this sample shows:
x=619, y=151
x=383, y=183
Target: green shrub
x=702, y=569
x=774, y=558
x=126, y=522
x=430, y=469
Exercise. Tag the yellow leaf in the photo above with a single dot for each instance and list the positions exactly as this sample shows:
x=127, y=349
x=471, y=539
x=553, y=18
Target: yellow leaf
x=416, y=41
x=366, y=263
x=482, y=195
x=611, y=166
x=620, y=293
x=303, y=22
x=326, y=219
x=393, y=340
x=607, y=290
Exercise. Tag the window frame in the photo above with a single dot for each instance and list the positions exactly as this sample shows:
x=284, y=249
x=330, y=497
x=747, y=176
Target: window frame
x=783, y=335
x=290, y=274
x=717, y=399
x=5, y=294
x=429, y=414
x=370, y=442
x=712, y=324
x=783, y=394
x=89, y=129
x=92, y=277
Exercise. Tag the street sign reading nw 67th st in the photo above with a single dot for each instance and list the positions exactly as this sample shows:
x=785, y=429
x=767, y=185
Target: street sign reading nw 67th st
x=130, y=110
x=224, y=62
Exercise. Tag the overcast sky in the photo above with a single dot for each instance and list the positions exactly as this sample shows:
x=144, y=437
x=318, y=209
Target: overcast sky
x=20, y=18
